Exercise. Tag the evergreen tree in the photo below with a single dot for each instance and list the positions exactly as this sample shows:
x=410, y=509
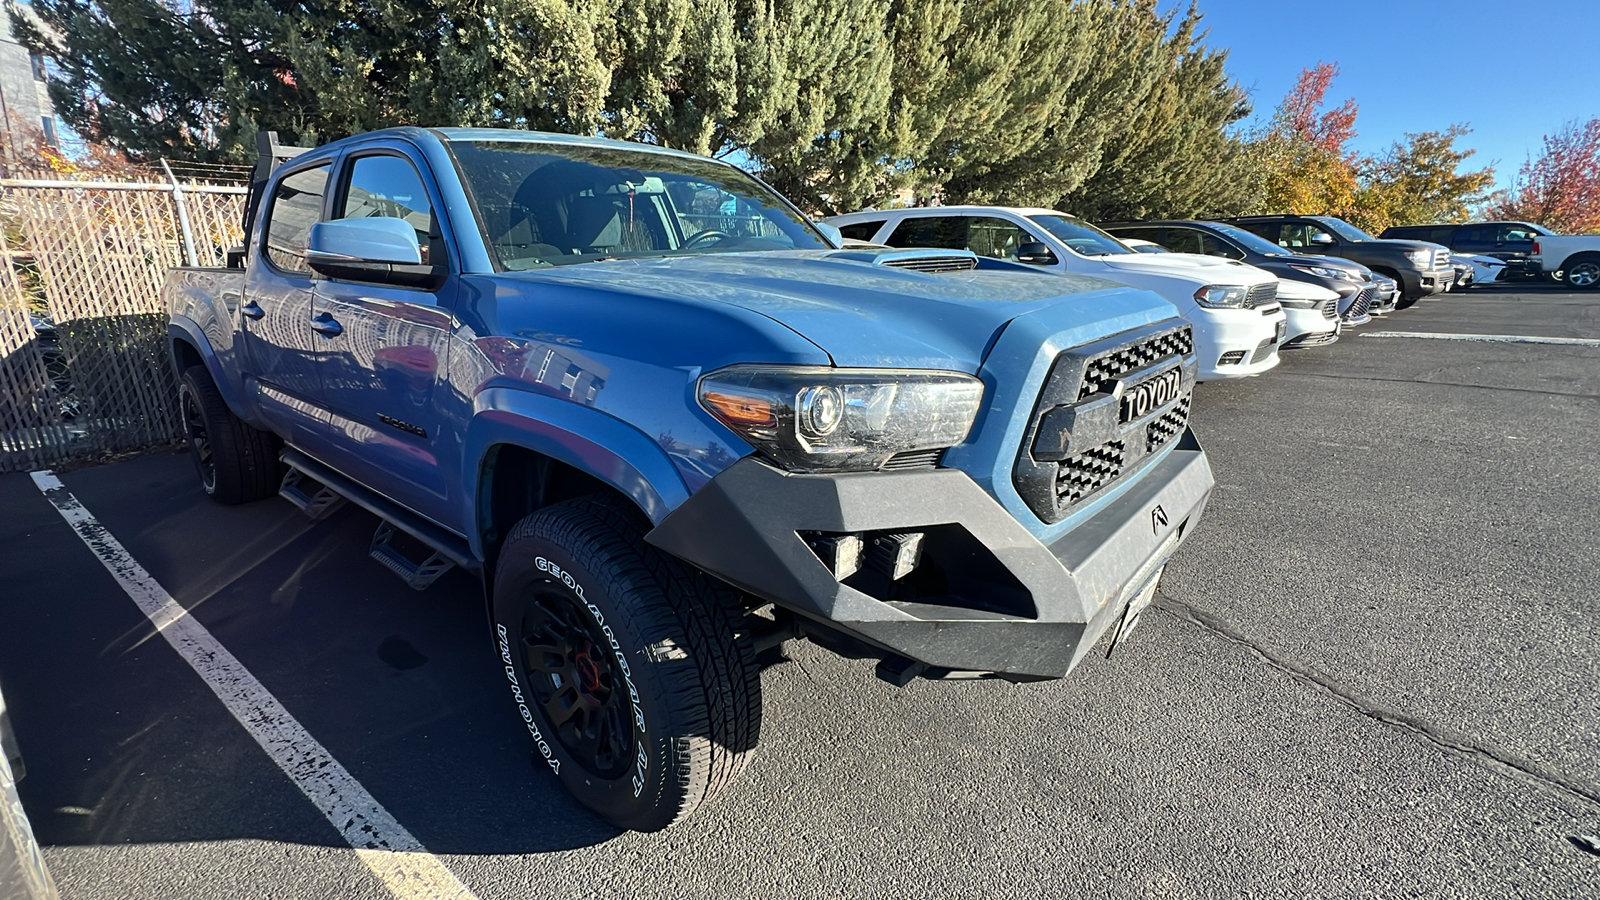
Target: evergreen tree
x=1175, y=157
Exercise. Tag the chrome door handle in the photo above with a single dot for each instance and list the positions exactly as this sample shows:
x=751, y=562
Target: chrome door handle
x=325, y=325
x=251, y=309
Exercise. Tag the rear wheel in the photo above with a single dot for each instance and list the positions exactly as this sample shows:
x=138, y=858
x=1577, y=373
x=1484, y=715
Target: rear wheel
x=236, y=463
x=632, y=672
x=1583, y=273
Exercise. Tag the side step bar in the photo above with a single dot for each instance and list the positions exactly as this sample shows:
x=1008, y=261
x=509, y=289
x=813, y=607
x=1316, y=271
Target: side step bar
x=448, y=549
x=296, y=489
x=418, y=575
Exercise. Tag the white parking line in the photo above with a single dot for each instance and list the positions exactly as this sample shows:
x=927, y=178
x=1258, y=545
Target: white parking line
x=399, y=860
x=1486, y=338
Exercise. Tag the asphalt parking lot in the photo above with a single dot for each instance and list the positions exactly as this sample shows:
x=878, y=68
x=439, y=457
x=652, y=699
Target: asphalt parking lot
x=1374, y=671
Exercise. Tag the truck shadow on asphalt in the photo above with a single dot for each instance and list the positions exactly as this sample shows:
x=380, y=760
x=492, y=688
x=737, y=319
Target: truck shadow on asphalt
x=126, y=744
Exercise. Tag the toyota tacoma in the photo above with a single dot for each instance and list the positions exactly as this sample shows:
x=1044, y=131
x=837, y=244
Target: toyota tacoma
x=671, y=424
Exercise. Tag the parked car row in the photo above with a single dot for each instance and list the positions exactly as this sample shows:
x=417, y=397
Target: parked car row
x=1247, y=297
x=1508, y=250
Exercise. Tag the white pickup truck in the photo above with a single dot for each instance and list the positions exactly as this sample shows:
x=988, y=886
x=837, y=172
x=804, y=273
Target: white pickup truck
x=1576, y=256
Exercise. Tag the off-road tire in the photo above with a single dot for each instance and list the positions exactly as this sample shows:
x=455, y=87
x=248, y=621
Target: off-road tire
x=237, y=463
x=681, y=645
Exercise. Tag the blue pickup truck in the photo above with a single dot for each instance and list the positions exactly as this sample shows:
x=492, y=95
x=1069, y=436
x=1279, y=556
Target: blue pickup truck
x=673, y=424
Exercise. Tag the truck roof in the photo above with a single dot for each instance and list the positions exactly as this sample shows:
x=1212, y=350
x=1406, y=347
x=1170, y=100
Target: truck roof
x=448, y=135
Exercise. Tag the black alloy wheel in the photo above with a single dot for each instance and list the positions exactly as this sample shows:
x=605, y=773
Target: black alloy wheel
x=574, y=675
x=198, y=438
x=633, y=674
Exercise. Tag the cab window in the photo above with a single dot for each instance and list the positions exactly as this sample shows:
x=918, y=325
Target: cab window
x=984, y=235
x=296, y=206
x=390, y=186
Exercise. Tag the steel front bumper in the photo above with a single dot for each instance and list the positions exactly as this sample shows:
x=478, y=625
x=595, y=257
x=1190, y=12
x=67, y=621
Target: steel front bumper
x=986, y=596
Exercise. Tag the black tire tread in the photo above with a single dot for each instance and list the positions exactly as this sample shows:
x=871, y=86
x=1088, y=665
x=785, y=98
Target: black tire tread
x=721, y=697
x=245, y=458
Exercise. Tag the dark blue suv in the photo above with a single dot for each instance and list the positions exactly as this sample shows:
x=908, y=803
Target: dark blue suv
x=1510, y=241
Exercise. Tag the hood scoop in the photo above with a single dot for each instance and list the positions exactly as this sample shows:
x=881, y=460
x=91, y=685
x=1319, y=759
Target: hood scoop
x=916, y=260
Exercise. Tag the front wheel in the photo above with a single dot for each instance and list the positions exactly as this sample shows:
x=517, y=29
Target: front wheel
x=632, y=672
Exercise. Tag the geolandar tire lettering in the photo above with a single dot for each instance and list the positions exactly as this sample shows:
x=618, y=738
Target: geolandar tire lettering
x=625, y=667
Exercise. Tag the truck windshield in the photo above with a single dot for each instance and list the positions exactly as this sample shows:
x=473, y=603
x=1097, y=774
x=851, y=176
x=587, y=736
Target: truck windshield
x=1255, y=243
x=1343, y=229
x=1079, y=235
x=542, y=204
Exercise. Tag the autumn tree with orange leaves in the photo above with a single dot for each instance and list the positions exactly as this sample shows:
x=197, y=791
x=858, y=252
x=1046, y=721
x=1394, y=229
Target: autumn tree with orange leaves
x=1302, y=162
x=1300, y=158
x=1561, y=189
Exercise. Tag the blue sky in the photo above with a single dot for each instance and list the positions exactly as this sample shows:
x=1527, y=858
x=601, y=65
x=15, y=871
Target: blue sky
x=1512, y=71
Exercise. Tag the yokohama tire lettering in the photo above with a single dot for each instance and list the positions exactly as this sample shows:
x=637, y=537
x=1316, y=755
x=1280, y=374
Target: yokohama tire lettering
x=522, y=705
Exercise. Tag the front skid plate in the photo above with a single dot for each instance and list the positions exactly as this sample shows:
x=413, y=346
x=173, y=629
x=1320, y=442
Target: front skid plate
x=742, y=528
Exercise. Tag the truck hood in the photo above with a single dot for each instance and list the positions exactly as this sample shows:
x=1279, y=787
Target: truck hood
x=859, y=312
x=1328, y=262
x=1200, y=269
x=1399, y=244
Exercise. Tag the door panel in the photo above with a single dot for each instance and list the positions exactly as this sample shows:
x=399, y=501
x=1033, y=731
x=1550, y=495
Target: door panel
x=381, y=370
x=277, y=344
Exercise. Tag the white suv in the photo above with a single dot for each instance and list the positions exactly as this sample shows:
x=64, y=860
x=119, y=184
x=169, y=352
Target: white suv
x=1238, y=323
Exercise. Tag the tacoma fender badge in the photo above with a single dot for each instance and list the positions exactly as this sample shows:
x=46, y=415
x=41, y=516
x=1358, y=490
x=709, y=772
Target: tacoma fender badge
x=1158, y=519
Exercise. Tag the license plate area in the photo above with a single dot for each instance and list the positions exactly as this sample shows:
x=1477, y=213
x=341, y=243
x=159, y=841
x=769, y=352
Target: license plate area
x=1150, y=394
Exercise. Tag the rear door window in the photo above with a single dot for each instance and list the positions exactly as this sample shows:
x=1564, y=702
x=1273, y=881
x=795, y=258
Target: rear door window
x=943, y=232
x=296, y=206
x=861, y=231
x=1517, y=234
x=1182, y=240
x=1211, y=245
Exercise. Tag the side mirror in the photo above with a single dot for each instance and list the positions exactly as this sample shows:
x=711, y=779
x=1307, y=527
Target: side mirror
x=1035, y=253
x=834, y=236
x=1322, y=237
x=376, y=249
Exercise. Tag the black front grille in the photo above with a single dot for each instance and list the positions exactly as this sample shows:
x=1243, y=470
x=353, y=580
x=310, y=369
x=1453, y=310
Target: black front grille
x=1261, y=295
x=913, y=459
x=1329, y=308
x=1077, y=442
x=1263, y=350
x=1168, y=426
x=1089, y=471
x=1106, y=369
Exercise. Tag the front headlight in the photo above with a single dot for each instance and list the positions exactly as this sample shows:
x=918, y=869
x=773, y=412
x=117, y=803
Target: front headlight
x=817, y=419
x=1420, y=257
x=1321, y=271
x=1221, y=296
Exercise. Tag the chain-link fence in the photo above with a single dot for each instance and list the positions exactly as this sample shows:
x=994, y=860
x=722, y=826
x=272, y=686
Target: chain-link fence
x=83, y=358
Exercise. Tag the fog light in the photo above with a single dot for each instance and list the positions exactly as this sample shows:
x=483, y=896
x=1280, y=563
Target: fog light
x=841, y=553
x=1231, y=357
x=895, y=555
